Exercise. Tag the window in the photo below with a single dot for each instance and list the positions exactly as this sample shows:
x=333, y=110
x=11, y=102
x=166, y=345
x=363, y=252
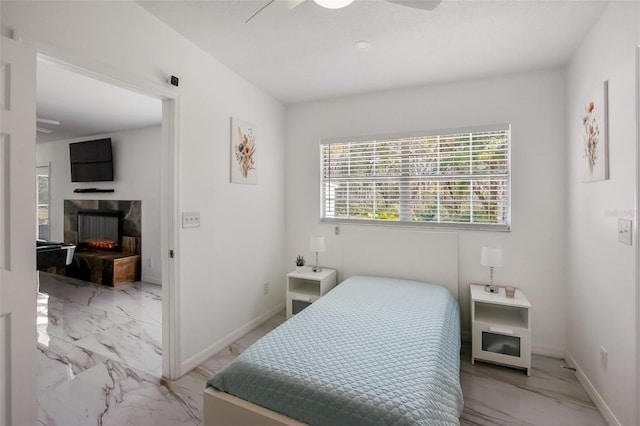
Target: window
x=42, y=202
x=458, y=178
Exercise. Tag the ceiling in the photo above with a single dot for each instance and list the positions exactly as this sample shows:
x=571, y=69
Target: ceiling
x=85, y=106
x=307, y=52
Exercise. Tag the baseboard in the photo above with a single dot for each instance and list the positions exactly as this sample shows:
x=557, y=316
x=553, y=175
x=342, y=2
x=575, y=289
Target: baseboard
x=151, y=279
x=545, y=351
x=202, y=356
x=602, y=406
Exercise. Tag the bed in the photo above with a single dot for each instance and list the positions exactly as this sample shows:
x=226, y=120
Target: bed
x=372, y=351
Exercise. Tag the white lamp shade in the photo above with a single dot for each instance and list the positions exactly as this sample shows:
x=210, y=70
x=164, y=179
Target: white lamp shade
x=491, y=256
x=317, y=244
x=333, y=4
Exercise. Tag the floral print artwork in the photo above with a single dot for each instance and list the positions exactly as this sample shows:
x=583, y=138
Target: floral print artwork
x=594, y=135
x=243, y=152
x=591, y=135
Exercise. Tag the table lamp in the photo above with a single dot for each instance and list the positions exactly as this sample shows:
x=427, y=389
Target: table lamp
x=491, y=257
x=316, y=245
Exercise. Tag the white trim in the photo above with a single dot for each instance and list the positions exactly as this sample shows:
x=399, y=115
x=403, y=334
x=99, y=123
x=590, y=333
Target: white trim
x=106, y=71
x=208, y=352
x=427, y=226
x=600, y=404
x=169, y=205
x=151, y=279
x=635, y=232
x=546, y=351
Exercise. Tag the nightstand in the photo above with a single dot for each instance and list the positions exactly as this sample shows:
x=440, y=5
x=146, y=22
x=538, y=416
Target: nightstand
x=304, y=288
x=501, y=328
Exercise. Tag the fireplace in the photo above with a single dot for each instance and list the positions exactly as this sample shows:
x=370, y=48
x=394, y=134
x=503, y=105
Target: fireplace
x=107, y=234
x=100, y=230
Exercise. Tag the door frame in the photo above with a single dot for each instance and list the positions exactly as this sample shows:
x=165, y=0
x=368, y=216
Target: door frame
x=17, y=256
x=636, y=233
x=171, y=360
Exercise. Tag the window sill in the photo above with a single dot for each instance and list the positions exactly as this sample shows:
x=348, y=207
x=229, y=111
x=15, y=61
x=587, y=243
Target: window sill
x=443, y=226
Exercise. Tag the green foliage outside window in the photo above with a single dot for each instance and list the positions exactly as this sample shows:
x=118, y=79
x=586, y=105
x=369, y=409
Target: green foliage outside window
x=43, y=199
x=454, y=178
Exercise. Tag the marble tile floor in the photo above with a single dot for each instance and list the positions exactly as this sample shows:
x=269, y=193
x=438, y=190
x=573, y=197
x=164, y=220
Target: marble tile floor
x=551, y=396
x=99, y=352
x=100, y=358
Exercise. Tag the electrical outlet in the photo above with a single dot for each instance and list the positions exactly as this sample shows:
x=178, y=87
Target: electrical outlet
x=604, y=358
x=266, y=288
x=190, y=219
x=149, y=263
x=624, y=231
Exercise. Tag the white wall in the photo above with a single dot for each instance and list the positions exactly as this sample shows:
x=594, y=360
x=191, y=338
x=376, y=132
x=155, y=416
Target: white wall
x=533, y=250
x=600, y=271
x=223, y=264
x=136, y=157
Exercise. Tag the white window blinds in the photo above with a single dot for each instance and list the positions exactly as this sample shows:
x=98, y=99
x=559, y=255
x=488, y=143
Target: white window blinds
x=458, y=178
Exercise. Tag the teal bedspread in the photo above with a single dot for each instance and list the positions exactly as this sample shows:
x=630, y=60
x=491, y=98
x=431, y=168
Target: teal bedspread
x=373, y=351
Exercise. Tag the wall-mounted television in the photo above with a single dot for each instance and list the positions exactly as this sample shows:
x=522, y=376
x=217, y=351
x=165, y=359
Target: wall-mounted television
x=91, y=161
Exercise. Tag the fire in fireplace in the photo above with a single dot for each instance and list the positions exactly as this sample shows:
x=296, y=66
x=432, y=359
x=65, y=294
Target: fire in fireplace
x=100, y=230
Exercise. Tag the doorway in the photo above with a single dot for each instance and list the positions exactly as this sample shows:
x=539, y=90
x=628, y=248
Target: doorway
x=60, y=188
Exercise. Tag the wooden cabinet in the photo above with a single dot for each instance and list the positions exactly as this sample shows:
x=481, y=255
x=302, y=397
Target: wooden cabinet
x=106, y=268
x=125, y=269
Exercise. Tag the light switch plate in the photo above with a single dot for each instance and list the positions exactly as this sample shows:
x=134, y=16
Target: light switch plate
x=624, y=231
x=190, y=219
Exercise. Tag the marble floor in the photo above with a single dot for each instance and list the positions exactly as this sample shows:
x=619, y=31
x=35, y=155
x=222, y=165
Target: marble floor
x=99, y=352
x=100, y=358
x=552, y=395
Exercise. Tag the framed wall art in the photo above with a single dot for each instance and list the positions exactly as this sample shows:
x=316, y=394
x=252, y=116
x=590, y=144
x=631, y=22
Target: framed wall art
x=243, y=153
x=595, y=135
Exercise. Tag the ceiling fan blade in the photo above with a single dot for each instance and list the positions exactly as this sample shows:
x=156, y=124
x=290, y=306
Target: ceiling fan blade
x=279, y=7
x=47, y=121
x=418, y=4
x=43, y=130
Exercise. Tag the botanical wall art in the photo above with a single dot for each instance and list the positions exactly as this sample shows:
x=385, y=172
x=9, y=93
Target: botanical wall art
x=595, y=142
x=243, y=152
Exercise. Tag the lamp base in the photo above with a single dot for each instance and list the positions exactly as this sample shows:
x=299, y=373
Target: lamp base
x=491, y=289
x=316, y=268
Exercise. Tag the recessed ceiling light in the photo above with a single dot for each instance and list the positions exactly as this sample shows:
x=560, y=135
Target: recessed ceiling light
x=333, y=4
x=362, y=44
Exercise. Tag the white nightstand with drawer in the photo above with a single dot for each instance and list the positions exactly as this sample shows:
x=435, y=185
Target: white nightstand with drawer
x=304, y=288
x=500, y=328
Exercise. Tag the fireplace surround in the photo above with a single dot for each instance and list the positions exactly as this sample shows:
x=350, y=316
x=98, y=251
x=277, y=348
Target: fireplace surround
x=108, y=236
x=130, y=229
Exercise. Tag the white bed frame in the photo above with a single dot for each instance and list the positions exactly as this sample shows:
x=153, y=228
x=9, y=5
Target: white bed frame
x=413, y=255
